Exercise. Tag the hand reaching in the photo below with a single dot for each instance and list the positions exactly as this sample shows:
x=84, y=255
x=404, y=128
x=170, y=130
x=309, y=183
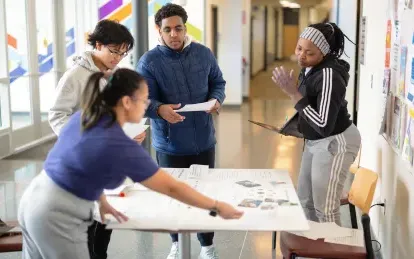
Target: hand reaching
x=166, y=111
x=106, y=208
x=285, y=81
x=226, y=211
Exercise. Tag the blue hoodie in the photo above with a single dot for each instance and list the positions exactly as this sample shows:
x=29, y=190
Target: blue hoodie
x=186, y=77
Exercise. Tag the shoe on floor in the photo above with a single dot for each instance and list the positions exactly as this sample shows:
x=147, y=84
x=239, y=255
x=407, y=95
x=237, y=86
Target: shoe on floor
x=208, y=252
x=174, y=251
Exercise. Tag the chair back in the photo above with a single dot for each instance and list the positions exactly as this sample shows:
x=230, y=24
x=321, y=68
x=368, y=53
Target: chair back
x=355, y=165
x=362, y=189
x=361, y=195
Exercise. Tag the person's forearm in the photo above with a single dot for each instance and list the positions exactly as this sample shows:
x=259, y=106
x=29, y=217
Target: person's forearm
x=296, y=97
x=102, y=198
x=184, y=193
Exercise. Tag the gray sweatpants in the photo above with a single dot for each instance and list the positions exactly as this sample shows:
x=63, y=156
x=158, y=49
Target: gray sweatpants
x=324, y=170
x=54, y=222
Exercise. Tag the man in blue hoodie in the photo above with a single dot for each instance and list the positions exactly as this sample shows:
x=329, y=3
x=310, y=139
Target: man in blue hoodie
x=180, y=72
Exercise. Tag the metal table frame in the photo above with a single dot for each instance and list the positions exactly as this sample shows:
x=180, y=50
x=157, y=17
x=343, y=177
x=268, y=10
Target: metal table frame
x=184, y=245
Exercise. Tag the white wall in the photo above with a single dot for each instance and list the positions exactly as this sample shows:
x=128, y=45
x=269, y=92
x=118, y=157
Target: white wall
x=280, y=34
x=304, y=18
x=230, y=45
x=347, y=23
x=393, y=228
x=271, y=34
x=258, y=39
x=317, y=14
x=247, y=9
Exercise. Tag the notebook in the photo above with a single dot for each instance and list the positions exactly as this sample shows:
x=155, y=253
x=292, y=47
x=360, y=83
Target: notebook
x=290, y=128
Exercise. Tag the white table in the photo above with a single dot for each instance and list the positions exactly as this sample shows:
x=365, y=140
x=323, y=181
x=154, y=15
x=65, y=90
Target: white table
x=270, y=197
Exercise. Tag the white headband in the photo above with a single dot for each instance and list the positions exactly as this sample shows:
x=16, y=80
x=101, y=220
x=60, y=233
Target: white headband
x=317, y=38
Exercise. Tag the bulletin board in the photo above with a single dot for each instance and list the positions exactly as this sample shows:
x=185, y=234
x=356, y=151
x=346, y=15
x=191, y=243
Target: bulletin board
x=398, y=82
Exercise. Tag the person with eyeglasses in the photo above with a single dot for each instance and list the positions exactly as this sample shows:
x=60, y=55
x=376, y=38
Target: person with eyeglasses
x=179, y=72
x=111, y=42
x=93, y=153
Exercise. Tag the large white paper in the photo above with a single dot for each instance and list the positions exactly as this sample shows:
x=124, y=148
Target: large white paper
x=116, y=191
x=206, y=106
x=134, y=129
x=267, y=197
x=356, y=239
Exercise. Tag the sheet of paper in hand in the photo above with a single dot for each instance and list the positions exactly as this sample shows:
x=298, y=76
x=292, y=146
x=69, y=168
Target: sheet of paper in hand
x=290, y=128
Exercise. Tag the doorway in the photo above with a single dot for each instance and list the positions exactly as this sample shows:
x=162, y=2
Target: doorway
x=265, y=39
x=290, y=31
x=214, y=26
x=276, y=17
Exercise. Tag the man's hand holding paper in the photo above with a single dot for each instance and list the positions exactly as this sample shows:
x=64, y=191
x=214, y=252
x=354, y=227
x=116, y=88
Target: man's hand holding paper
x=168, y=113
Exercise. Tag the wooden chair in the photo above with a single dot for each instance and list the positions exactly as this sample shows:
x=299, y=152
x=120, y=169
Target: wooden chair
x=361, y=195
x=344, y=200
x=11, y=242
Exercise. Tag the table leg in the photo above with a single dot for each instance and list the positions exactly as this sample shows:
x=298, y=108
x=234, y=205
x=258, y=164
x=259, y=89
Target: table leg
x=184, y=245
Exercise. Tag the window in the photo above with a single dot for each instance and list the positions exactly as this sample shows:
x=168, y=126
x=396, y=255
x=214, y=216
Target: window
x=45, y=55
x=4, y=106
x=4, y=72
x=70, y=18
x=18, y=65
x=122, y=12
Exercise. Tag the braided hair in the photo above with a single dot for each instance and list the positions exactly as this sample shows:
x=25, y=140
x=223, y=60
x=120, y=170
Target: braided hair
x=334, y=36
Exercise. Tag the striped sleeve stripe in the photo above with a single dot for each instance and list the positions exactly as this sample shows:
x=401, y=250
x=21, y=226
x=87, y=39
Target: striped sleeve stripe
x=321, y=118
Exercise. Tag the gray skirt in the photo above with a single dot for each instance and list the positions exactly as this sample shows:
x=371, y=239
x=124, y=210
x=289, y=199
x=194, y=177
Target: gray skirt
x=54, y=222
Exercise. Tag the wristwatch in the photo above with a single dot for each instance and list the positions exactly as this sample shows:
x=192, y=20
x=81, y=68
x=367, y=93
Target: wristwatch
x=214, y=211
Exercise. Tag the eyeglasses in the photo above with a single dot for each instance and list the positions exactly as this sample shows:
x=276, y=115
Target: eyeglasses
x=145, y=101
x=114, y=52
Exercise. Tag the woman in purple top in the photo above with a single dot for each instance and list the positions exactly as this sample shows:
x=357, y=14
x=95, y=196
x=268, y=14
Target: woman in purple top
x=93, y=153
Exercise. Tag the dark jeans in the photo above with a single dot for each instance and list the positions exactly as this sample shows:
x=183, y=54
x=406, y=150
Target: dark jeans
x=204, y=158
x=98, y=240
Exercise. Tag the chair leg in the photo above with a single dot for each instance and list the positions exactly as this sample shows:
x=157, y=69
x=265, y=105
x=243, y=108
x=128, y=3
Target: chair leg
x=352, y=212
x=274, y=236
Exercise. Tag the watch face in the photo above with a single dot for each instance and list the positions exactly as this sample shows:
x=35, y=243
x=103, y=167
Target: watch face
x=213, y=213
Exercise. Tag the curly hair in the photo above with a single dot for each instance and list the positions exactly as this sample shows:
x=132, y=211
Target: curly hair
x=110, y=32
x=170, y=10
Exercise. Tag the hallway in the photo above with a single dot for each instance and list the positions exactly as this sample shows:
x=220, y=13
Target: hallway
x=240, y=145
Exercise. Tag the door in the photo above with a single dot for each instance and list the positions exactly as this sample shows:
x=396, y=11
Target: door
x=276, y=12
x=214, y=32
x=290, y=31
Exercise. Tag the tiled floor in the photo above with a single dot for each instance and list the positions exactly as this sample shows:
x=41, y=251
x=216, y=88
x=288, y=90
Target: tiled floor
x=240, y=145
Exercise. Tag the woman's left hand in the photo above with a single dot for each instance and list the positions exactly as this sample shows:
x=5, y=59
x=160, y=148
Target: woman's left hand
x=285, y=81
x=106, y=208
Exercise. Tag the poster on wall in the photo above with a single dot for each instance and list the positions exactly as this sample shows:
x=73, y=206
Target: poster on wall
x=408, y=146
x=403, y=68
x=396, y=121
x=395, y=56
x=386, y=81
x=398, y=7
x=363, y=40
x=388, y=45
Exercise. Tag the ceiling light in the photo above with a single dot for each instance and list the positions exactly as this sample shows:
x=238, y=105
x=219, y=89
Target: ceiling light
x=289, y=4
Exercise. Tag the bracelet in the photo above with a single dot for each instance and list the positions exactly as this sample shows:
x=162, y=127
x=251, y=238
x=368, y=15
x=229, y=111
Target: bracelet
x=214, y=211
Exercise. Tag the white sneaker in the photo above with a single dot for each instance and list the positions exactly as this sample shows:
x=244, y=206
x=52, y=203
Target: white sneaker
x=208, y=252
x=174, y=251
